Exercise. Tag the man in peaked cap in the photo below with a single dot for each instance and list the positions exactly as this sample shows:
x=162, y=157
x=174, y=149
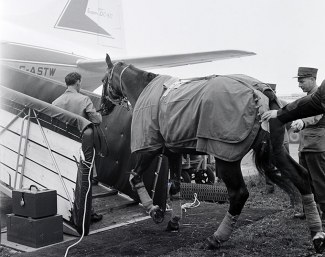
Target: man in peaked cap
x=312, y=139
x=312, y=145
x=306, y=72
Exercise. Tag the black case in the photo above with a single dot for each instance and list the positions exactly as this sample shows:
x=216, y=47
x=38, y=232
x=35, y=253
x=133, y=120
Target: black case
x=34, y=203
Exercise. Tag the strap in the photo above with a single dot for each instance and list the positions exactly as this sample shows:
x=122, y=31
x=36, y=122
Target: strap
x=100, y=142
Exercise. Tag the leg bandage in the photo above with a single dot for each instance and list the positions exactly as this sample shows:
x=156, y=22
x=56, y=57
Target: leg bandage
x=176, y=207
x=144, y=196
x=311, y=212
x=226, y=227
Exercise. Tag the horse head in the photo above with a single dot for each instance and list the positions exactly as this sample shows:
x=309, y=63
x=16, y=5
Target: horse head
x=112, y=84
x=123, y=83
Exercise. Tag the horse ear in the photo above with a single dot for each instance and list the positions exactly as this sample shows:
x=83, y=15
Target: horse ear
x=108, y=61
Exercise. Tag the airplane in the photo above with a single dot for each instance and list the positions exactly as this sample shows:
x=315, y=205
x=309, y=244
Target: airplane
x=75, y=37
x=35, y=57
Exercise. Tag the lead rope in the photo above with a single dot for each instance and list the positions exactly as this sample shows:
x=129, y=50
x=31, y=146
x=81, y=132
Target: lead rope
x=90, y=166
x=121, y=79
x=194, y=204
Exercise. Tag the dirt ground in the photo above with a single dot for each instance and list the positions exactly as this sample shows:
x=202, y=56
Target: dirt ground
x=266, y=228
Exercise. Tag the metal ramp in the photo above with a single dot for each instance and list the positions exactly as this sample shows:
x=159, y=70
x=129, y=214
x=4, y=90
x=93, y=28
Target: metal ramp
x=38, y=149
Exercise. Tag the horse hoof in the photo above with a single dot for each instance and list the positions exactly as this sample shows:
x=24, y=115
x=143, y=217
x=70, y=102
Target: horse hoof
x=157, y=214
x=211, y=244
x=172, y=226
x=319, y=242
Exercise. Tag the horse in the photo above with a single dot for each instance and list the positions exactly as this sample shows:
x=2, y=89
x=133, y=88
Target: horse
x=172, y=117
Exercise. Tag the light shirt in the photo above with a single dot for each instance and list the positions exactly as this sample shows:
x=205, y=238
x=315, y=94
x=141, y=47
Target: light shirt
x=79, y=104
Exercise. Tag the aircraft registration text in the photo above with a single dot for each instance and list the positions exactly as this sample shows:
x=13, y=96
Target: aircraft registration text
x=42, y=71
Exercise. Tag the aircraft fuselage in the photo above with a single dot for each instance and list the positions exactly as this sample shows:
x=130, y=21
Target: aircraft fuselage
x=35, y=60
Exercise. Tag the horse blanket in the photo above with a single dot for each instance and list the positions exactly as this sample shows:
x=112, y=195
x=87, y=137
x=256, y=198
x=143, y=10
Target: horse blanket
x=216, y=115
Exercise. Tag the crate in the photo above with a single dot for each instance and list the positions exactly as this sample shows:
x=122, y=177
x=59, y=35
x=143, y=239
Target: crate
x=34, y=232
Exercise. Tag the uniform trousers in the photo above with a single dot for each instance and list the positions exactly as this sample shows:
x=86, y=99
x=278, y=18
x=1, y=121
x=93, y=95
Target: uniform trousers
x=314, y=162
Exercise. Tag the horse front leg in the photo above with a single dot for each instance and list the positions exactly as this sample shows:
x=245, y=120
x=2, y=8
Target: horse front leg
x=143, y=161
x=238, y=194
x=175, y=166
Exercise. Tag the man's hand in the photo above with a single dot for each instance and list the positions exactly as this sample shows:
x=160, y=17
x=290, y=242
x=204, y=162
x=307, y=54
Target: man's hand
x=297, y=125
x=266, y=116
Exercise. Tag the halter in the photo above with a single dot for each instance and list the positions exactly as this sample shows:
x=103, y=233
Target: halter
x=122, y=99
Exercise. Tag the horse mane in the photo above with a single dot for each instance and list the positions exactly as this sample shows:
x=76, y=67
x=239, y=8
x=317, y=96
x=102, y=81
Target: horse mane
x=150, y=76
x=147, y=77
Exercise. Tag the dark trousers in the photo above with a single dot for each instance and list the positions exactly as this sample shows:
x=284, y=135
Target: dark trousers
x=315, y=164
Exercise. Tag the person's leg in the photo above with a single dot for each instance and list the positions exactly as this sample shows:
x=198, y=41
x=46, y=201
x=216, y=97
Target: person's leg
x=88, y=152
x=304, y=163
x=316, y=167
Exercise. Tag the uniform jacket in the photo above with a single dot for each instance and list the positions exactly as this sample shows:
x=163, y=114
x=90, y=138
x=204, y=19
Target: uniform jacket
x=309, y=105
x=313, y=134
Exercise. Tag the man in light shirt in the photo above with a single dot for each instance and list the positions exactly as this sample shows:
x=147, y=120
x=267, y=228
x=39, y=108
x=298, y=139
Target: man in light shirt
x=73, y=101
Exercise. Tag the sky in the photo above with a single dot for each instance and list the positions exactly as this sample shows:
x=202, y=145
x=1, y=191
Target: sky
x=284, y=35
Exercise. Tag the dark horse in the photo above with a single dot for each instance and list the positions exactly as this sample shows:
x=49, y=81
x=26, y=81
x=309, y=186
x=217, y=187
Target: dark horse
x=172, y=117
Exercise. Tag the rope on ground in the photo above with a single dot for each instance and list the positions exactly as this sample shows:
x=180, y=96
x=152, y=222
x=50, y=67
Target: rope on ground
x=194, y=204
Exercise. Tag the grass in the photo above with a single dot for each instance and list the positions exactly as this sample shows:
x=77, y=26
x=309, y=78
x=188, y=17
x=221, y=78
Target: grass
x=277, y=235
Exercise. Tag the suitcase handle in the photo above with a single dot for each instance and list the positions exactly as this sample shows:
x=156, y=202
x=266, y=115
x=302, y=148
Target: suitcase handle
x=30, y=188
x=22, y=200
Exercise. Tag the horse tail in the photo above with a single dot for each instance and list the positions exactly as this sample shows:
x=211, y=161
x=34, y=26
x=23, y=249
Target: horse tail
x=262, y=148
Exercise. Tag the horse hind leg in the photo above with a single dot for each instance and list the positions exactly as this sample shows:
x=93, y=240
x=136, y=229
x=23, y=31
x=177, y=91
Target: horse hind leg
x=238, y=194
x=290, y=169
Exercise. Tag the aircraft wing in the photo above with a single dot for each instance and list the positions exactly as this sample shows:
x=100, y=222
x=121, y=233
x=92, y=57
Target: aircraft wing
x=165, y=61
